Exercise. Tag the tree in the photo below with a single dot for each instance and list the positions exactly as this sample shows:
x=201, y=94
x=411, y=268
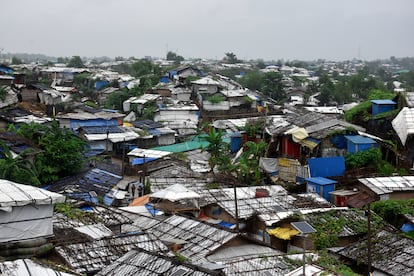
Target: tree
x=62, y=60
x=252, y=80
x=216, y=147
x=76, y=62
x=272, y=86
x=3, y=92
x=144, y=67
x=174, y=57
x=16, y=60
x=231, y=58
x=247, y=166
x=17, y=169
x=62, y=151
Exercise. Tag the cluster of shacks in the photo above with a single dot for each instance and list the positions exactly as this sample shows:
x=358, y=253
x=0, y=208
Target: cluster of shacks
x=156, y=207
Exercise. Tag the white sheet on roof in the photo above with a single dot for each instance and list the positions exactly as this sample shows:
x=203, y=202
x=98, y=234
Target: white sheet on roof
x=26, y=222
x=26, y=267
x=403, y=124
x=14, y=194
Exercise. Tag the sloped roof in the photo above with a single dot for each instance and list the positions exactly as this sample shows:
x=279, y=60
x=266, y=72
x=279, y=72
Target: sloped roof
x=14, y=194
x=392, y=253
x=97, y=180
x=403, y=124
x=200, y=239
x=175, y=192
x=92, y=256
x=28, y=267
x=251, y=265
x=140, y=262
x=387, y=185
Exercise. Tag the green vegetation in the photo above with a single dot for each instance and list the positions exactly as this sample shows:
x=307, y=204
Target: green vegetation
x=392, y=210
x=327, y=261
x=76, y=62
x=360, y=159
x=61, y=151
x=270, y=84
x=3, y=92
x=363, y=110
x=330, y=225
x=216, y=99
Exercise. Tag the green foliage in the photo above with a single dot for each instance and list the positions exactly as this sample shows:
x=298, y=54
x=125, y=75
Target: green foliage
x=363, y=158
x=62, y=151
x=247, y=165
x=328, y=261
x=391, y=210
x=147, y=187
x=231, y=58
x=212, y=186
x=3, y=92
x=181, y=258
x=16, y=60
x=385, y=168
x=17, y=169
x=363, y=110
x=116, y=99
x=216, y=147
x=76, y=62
x=216, y=99
x=144, y=67
x=174, y=57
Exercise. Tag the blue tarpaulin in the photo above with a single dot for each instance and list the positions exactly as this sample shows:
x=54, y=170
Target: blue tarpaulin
x=227, y=224
x=140, y=160
x=327, y=166
x=407, y=227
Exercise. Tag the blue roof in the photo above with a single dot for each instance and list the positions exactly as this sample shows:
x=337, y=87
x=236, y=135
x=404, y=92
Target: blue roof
x=321, y=180
x=140, y=161
x=358, y=139
x=383, y=102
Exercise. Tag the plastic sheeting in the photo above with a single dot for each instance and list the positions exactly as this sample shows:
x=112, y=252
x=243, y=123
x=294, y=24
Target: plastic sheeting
x=13, y=194
x=26, y=222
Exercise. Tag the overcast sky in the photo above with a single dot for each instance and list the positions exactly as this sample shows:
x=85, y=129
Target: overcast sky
x=252, y=29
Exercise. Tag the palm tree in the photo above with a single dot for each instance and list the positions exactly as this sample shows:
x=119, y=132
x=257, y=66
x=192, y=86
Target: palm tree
x=17, y=168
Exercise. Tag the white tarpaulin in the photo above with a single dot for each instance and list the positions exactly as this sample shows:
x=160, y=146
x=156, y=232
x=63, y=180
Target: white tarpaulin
x=175, y=192
x=13, y=194
x=26, y=222
x=27, y=267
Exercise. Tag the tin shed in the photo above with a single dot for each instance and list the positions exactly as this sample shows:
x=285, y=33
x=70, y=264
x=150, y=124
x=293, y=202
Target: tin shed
x=356, y=143
x=320, y=185
x=381, y=106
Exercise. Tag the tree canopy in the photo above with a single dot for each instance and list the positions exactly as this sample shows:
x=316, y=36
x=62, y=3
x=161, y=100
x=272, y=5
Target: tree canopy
x=76, y=62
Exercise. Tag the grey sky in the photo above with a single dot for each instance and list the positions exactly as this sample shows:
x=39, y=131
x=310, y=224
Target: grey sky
x=268, y=29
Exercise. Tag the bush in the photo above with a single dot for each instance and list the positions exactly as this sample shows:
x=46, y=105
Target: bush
x=363, y=158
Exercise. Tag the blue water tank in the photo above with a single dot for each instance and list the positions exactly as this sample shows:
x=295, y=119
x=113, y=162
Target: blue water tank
x=235, y=142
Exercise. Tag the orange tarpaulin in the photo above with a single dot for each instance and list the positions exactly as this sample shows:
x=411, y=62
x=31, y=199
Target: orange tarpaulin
x=139, y=201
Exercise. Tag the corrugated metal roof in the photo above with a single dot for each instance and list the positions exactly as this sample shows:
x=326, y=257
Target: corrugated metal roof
x=266, y=264
x=95, y=231
x=399, y=252
x=387, y=185
x=321, y=180
x=139, y=262
x=383, y=102
x=92, y=256
x=358, y=139
x=201, y=239
x=97, y=180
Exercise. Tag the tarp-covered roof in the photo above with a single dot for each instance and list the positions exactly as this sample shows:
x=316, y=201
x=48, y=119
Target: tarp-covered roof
x=403, y=124
x=175, y=192
x=14, y=194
